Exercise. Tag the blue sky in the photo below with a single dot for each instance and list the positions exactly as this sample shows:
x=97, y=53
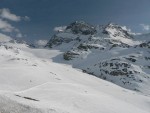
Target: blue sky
x=39, y=17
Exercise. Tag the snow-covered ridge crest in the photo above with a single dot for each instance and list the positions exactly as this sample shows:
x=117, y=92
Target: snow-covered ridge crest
x=80, y=29
x=117, y=31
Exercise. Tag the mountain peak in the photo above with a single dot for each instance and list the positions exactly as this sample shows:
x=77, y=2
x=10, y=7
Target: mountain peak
x=81, y=27
x=117, y=31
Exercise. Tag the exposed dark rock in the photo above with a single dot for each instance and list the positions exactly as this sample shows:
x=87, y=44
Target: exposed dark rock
x=55, y=40
x=69, y=55
x=145, y=45
x=131, y=59
x=86, y=47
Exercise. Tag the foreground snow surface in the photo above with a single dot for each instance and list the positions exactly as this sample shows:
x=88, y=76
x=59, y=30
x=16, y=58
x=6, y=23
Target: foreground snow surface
x=30, y=82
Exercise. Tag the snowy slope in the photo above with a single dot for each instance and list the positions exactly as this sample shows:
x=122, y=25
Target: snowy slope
x=30, y=82
x=110, y=52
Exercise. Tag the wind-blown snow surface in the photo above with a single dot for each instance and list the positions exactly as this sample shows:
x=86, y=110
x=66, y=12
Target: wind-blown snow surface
x=30, y=82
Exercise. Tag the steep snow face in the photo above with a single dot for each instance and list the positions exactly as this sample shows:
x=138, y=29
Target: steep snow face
x=30, y=82
x=110, y=52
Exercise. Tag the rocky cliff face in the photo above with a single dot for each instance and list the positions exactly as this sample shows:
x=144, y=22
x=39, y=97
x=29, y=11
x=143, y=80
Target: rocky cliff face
x=109, y=52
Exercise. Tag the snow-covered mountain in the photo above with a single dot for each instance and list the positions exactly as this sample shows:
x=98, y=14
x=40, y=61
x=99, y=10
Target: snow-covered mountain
x=30, y=82
x=110, y=52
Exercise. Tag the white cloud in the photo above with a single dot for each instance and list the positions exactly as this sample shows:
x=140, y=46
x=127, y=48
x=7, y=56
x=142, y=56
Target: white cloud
x=40, y=43
x=4, y=38
x=6, y=14
x=60, y=29
x=5, y=26
x=19, y=35
x=145, y=27
x=26, y=18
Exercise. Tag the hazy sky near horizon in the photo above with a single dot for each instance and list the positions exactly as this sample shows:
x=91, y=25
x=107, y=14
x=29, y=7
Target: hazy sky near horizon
x=37, y=18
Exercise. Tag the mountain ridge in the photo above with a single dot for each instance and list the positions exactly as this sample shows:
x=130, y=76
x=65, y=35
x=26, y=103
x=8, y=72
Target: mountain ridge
x=110, y=52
